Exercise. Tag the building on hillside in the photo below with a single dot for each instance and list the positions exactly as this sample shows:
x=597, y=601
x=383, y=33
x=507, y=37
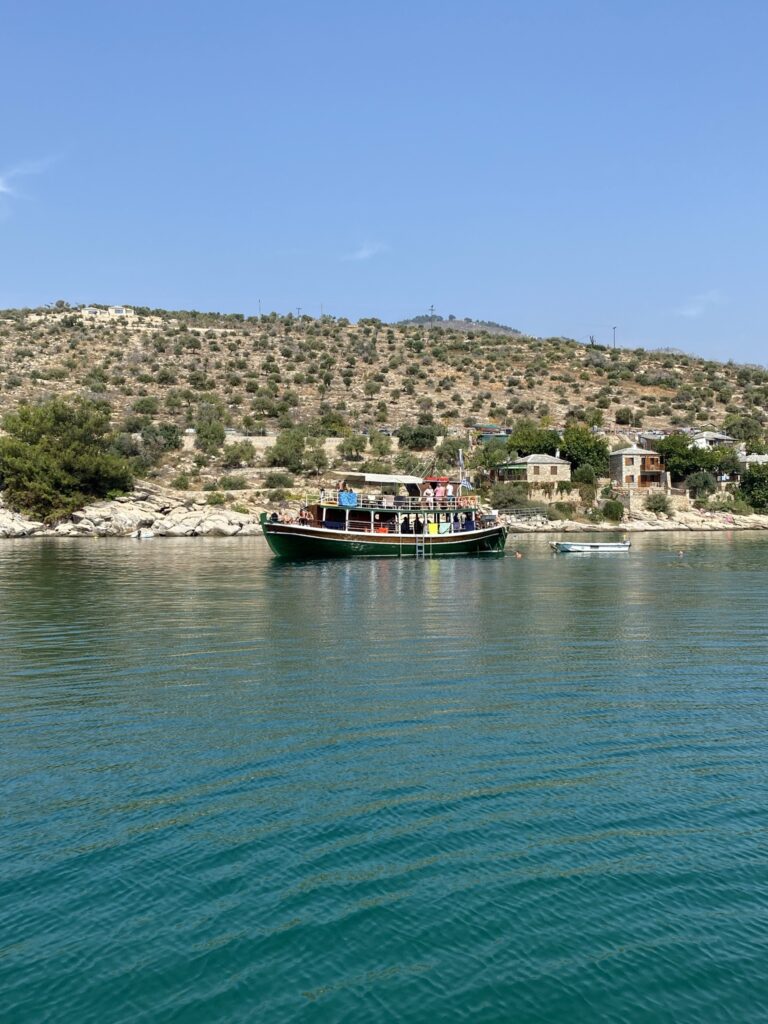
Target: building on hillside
x=636, y=467
x=489, y=431
x=710, y=439
x=535, y=469
x=650, y=437
x=748, y=461
x=108, y=313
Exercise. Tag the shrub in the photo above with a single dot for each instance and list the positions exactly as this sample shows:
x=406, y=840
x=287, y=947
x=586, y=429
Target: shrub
x=210, y=433
x=241, y=453
x=216, y=498
x=242, y=509
x=278, y=494
x=587, y=493
x=57, y=456
x=147, y=406
x=233, y=483
x=508, y=495
x=584, y=474
x=658, y=503
x=561, y=510
x=181, y=482
x=613, y=510
x=278, y=479
x=701, y=484
x=419, y=437
x=754, y=487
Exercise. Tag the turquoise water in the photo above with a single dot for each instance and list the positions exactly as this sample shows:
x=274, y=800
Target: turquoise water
x=468, y=790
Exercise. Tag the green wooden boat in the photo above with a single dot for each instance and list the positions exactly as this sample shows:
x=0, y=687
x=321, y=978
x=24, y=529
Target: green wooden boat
x=416, y=525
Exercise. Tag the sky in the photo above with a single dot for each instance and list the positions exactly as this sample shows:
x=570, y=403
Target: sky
x=562, y=167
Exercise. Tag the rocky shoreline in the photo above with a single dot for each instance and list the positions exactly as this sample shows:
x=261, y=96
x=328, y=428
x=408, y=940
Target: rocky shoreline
x=148, y=510
x=645, y=522
x=163, y=513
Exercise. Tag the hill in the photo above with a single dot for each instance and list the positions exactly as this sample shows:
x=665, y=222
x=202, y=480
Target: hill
x=256, y=376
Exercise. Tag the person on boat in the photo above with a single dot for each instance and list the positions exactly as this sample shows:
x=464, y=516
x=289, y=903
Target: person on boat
x=429, y=496
x=405, y=526
x=274, y=518
x=322, y=495
x=440, y=494
x=469, y=523
x=449, y=493
x=418, y=524
x=456, y=522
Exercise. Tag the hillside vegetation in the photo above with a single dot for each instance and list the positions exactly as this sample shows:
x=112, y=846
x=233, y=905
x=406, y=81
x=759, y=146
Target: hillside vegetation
x=160, y=373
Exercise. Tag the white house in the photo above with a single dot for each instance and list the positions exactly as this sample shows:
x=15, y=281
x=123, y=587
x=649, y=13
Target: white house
x=710, y=439
x=109, y=313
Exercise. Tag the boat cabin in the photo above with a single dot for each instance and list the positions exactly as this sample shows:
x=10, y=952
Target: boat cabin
x=395, y=504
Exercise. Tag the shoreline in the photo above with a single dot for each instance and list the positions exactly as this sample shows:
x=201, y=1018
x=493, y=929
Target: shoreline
x=162, y=513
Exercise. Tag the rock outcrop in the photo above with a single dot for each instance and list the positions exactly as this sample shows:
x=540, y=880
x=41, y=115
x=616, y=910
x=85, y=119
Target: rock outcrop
x=149, y=510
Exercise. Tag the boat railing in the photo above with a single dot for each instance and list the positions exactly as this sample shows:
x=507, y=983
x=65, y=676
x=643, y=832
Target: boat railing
x=397, y=503
x=443, y=528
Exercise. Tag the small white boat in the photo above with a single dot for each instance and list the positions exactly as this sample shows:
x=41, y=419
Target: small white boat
x=563, y=547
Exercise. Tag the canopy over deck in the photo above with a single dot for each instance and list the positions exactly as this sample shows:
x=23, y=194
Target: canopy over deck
x=376, y=478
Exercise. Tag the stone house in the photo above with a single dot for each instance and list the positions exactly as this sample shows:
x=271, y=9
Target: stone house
x=536, y=469
x=636, y=467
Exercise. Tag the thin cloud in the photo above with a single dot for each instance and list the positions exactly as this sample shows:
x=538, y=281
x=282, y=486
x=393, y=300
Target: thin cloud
x=9, y=177
x=367, y=251
x=698, y=305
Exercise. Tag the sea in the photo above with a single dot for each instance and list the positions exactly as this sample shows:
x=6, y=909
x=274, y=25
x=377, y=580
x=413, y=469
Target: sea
x=481, y=789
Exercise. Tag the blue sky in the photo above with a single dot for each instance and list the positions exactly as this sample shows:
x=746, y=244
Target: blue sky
x=558, y=166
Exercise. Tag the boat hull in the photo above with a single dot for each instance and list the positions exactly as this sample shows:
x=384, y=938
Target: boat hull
x=306, y=542
x=580, y=547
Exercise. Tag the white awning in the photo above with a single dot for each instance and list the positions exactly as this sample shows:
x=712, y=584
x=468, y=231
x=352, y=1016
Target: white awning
x=375, y=478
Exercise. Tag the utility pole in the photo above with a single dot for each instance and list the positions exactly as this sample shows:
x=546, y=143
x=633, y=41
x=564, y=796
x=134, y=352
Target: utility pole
x=431, y=317
x=614, y=337
x=259, y=309
x=298, y=312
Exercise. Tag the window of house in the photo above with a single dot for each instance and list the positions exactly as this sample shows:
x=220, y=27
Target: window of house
x=536, y=470
x=553, y=470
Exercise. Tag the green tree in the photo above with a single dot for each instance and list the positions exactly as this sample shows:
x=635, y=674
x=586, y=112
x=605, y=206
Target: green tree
x=581, y=447
x=352, y=447
x=240, y=453
x=418, y=437
x=381, y=445
x=315, y=459
x=701, y=484
x=288, y=450
x=490, y=455
x=529, y=439
x=680, y=459
x=447, y=453
x=754, y=487
x=744, y=428
x=57, y=456
x=209, y=427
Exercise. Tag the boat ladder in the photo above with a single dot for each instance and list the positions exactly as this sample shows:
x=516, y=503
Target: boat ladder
x=423, y=545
